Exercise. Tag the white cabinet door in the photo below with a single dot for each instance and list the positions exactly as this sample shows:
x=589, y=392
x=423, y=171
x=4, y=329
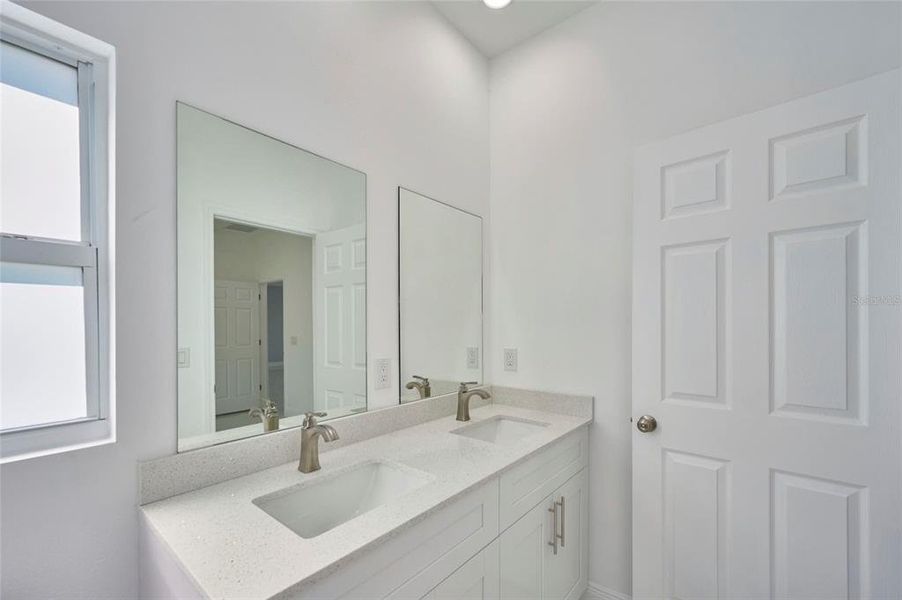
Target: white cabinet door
x=766, y=343
x=477, y=579
x=523, y=548
x=565, y=572
x=530, y=566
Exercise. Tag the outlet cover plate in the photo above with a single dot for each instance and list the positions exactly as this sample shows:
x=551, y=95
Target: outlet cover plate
x=383, y=373
x=510, y=359
x=472, y=357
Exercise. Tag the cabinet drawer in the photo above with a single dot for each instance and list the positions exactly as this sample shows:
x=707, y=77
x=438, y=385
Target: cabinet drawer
x=425, y=553
x=531, y=481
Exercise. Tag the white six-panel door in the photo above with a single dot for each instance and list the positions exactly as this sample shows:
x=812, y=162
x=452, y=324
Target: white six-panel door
x=340, y=320
x=767, y=328
x=236, y=323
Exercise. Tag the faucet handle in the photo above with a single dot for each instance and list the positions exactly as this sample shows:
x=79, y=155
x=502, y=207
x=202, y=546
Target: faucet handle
x=310, y=418
x=464, y=384
x=421, y=378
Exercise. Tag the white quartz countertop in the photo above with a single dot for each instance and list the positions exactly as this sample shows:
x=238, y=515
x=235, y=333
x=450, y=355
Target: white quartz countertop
x=233, y=549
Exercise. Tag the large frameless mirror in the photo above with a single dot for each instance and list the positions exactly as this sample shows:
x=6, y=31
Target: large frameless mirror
x=440, y=250
x=271, y=283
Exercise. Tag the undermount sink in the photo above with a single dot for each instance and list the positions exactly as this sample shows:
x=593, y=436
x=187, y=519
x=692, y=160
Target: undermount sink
x=501, y=430
x=313, y=509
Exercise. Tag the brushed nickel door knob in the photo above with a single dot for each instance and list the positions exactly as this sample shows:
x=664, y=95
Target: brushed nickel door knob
x=646, y=424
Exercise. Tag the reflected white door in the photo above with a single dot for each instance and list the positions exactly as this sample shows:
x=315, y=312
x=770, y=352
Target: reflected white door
x=236, y=323
x=766, y=343
x=340, y=320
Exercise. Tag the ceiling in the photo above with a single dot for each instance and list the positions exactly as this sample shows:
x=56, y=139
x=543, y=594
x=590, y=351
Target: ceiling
x=495, y=31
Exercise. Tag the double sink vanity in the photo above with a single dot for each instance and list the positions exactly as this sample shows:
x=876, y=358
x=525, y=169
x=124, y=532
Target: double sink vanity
x=494, y=507
x=425, y=482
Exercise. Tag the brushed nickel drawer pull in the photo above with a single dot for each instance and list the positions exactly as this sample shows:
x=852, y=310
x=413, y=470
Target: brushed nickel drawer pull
x=553, y=542
x=563, y=526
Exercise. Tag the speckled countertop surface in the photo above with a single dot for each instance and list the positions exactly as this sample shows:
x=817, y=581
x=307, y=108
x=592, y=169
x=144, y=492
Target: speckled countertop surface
x=232, y=549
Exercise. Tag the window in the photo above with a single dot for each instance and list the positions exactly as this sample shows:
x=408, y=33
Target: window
x=56, y=243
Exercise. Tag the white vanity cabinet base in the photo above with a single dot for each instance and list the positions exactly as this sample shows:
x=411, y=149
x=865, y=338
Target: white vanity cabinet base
x=523, y=555
x=529, y=567
x=490, y=543
x=414, y=562
x=566, y=574
x=477, y=579
x=529, y=482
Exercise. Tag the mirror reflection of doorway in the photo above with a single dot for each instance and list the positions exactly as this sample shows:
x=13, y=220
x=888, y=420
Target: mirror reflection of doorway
x=263, y=307
x=259, y=212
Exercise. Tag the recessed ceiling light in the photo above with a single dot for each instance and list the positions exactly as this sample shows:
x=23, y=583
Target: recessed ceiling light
x=496, y=4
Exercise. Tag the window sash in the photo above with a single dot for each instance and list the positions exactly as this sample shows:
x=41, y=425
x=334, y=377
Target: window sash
x=86, y=150
x=35, y=43
x=32, y=250
x=95, y=62
x=37, y=441
x=90, y=233
x=44, y=252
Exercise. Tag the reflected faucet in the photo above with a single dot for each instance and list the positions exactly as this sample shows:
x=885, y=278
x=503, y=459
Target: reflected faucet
x=463, y=399
x=310, y=434
x=422, y=386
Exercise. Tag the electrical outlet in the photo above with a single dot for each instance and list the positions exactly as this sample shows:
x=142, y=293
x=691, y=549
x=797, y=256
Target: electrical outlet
x=472, y=357
x=383, y=373
x=510, y=359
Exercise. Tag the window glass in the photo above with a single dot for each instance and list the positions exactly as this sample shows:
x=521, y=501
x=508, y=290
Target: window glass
x=40, y=191
x=57, y=335
x=42, y=345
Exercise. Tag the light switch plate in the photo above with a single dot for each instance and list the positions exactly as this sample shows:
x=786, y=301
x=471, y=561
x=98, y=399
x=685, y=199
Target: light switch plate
x=383, y=373
x=183, y=358
x=510, y=359
x=472, y=357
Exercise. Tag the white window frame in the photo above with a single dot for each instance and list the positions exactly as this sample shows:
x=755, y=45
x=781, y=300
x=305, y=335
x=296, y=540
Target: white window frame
x=95, y=254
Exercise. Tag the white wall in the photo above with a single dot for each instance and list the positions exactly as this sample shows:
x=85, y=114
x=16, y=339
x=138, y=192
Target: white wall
x=567, y=109
x=388, y=88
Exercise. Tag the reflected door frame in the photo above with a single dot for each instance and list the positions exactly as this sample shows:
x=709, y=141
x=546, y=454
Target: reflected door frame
x=265, y=366
x=263, y=294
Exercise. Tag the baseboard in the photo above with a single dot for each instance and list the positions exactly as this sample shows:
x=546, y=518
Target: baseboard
x=598, y=592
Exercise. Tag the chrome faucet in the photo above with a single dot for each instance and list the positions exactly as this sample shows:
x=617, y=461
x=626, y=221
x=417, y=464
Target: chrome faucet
x=463, y=399
x=311, y=431
x=421, y=385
